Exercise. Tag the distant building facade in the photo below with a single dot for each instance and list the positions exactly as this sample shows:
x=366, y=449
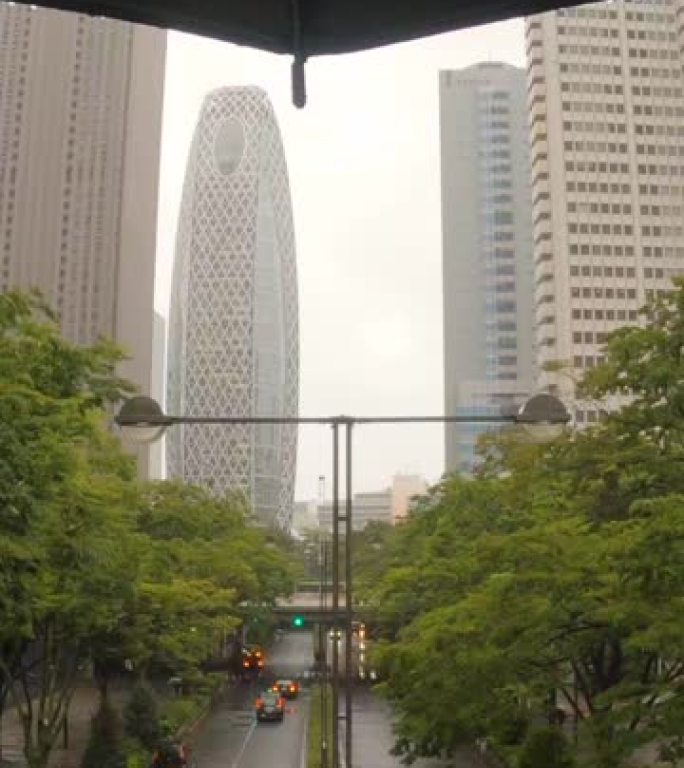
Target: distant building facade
x=80, y=135
x=305, y=517
x=486, y=249
x=405, y=488
x=390, y=505
x=233, y=326
x=606, y=104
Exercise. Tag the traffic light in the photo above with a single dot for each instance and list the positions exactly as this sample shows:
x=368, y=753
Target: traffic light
x=298, y=622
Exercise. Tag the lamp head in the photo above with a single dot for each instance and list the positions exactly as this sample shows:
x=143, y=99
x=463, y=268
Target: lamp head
x=142, y=420
x=543, y=416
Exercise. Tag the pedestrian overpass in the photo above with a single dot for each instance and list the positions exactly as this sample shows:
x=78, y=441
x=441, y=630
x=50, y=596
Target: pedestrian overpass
x=311, y=606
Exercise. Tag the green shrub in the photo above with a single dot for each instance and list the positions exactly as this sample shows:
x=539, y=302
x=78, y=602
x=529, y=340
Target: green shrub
x=179, y=712
x=136, y=756
x=141, y=716
x=547, y=748
x=510, y=731
x=105, y=747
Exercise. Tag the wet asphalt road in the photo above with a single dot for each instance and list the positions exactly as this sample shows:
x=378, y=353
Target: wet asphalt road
x=231, y=737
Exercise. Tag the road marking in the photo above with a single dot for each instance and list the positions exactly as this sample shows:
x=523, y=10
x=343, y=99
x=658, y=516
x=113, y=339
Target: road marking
x=248, y=736
x=304, y=750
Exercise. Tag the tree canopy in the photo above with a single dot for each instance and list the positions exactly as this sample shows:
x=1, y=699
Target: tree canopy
x=94, y=565
x=554, y=579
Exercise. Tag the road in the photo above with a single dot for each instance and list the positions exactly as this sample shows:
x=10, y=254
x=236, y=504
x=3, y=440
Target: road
x=373, y=738
x=231, y=738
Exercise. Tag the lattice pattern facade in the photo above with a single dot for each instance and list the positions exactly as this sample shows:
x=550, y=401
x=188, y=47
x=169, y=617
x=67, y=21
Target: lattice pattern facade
x=234, y=337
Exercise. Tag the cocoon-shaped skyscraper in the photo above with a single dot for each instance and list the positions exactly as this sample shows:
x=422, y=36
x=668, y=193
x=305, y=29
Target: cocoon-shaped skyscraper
x=233, y=326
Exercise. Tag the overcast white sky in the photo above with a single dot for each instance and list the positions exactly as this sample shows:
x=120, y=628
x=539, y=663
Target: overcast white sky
x=363, y=158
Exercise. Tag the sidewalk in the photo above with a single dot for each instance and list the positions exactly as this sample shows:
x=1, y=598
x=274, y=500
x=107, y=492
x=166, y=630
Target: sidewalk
x=83, y=707
x=373, y=739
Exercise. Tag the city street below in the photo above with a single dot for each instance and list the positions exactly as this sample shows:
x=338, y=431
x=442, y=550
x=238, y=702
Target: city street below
x=231, y=737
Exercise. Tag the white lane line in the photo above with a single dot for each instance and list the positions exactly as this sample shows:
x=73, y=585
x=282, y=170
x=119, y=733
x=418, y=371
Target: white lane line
x=304, y=750
x=249, y=735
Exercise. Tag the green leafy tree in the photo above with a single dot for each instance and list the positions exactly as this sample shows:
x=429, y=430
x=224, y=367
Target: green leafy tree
x=64, y=497
x=105, y=747
x=546, y=748
x=559, y=568
x=201, y=564
x=141, y=716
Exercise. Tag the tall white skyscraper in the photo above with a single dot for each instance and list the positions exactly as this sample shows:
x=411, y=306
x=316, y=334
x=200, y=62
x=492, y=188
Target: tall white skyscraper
x=486, y=249
x=80, y=133
x=233, y=333
x=607, y=150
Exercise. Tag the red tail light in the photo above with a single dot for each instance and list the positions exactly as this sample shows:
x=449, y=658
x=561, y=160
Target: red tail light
x=245, y=664
x=281, y=703
x=293, y=688
x=259, y=703
x=260, y=663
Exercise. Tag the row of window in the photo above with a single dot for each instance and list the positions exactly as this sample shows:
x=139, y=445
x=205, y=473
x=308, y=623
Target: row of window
x=660, y=170
x=639, y=33
x=655, y=72
x=495, y=125
x=595, y=208
x=656, y=91
x=657, y=110
x=658, y=54
x=499, y=199
x=589, y=337
x=593, y=187
x=600, y=229
x=594, y=127
x=596, y=271
x=663, y=150
x=587, y=361
x=608, y=107
x=658, y=252
x=598, y=292
x=587, y=13
x=607, y=249
x=588, y=31
x=610, y=315
x=659, y=129
x=647, y=230
x=582, y=68
x=498, y=237
x=507, y=287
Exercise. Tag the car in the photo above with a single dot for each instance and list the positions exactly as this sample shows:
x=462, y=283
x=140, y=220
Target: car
x=270, y=706
x=252, y=659
x=288, y=689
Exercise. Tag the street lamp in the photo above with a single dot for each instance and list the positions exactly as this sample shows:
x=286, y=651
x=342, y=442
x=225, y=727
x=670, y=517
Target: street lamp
x=142, y=420
x=543, y=417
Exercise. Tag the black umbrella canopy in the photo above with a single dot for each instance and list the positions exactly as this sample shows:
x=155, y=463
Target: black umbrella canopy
x=306, y=28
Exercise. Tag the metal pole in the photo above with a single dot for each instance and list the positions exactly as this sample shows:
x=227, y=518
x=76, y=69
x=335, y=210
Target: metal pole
x=323, y=656
x=335, y=596
x=349, y=612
